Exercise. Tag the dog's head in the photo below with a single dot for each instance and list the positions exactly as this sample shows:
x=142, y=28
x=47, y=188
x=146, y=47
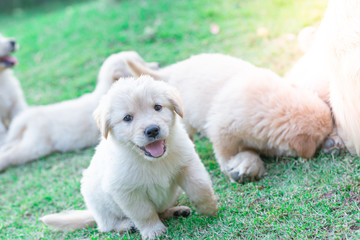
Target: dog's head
x=115, y=65
x=313, y=123
x=140, y=113
x=7, y=46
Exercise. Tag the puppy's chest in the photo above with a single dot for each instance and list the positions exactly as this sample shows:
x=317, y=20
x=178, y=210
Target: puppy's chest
x=162, y=193
x=154, y=178
x=160, y=175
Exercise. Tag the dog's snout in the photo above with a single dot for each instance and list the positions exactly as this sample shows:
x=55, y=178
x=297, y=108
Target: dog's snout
x=152, y=131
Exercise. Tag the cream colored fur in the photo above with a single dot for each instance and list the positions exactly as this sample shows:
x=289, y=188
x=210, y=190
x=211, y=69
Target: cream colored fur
x=198, y=80
x=124, y=187
x=257, y=112
x=331, y=67
x=12, y=100
x=65, y=126
x=306, y=38
x=207, y=82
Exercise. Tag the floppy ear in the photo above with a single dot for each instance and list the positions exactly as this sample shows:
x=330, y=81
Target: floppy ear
x=138, y=69
x=304, y=145
x=102, y=118
x=117, y=74
x=175, y=100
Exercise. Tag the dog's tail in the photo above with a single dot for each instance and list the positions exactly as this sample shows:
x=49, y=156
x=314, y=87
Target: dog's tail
x=138, y=69
x=69, y=221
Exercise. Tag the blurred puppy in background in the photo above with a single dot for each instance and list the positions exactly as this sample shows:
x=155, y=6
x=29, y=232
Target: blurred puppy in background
x=65, y=126
x=140, y=166
x=330, y=69
x=245, y=110
x=12, y=100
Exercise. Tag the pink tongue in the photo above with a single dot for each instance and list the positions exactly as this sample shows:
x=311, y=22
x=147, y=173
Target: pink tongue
x=9, y=59
x=156, y=149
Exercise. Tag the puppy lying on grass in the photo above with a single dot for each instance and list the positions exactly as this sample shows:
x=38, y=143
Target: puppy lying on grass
x=12, y=100
x=140, y=166
x=65, y=126
x=245, y=110
x=257, y=112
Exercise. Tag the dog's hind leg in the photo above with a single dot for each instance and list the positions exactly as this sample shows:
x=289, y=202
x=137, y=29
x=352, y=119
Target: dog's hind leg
x=125, y=225
x=175, y=212
x=20, y=151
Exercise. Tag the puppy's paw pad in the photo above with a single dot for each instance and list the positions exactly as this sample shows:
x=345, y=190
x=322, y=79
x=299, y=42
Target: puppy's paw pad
x=125, y=225
x=334, y=145
x=182, y=212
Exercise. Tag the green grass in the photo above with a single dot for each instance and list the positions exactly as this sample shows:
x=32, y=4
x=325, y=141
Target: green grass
x=62, y=48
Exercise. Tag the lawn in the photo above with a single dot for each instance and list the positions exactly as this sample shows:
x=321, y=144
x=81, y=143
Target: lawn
x=62, y=45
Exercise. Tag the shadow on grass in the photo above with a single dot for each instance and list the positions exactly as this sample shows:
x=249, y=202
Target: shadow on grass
x=13, y=6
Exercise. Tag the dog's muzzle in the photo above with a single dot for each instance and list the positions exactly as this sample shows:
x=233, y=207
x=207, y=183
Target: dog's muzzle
x=155, y=149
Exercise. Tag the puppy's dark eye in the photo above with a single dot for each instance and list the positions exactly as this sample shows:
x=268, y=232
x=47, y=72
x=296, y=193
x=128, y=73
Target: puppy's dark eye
x=157, y=107
x=128, y=118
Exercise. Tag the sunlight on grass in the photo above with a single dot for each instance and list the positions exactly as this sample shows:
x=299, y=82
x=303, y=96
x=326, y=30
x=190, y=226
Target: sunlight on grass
x=62, y=47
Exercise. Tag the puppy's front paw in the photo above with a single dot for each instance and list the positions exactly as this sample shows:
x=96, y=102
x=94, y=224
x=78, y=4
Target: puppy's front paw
x=245, y=166
x=154, y=231
x=334, y=145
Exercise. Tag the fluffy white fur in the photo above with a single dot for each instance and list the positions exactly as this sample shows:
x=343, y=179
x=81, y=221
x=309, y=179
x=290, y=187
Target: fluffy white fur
x=207, y=82
x=331, y=67
x=198, y=79
x=12, y=100
x=306, y=38
x=123, y=186
x=65, y=126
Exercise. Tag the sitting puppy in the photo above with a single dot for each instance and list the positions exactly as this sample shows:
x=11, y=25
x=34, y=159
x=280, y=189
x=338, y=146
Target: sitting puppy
x=230, y=109
x=259, y=113
x=143, y=160
x=12, y=99
x=65, y=126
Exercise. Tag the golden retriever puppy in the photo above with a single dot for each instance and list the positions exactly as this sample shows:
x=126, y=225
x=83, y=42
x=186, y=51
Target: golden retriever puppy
x=343, y=53
x=198, y=80
x=65, y=126
x=12, y=99
x=257, y=112
x=140, y=166
x=201, y=81
x=329, y=68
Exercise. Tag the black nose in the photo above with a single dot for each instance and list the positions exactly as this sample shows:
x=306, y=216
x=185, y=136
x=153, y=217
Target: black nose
x=12, y=44
x=152, y=131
